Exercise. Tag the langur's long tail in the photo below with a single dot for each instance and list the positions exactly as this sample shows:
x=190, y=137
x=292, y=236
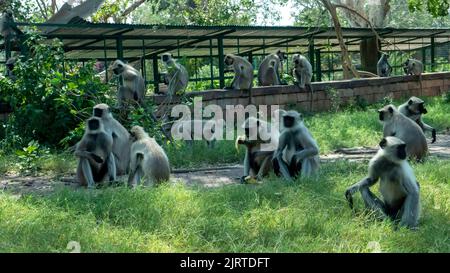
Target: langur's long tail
x=311, y=97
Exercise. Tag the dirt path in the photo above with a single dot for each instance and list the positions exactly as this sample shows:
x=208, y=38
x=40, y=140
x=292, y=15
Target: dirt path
x=206, y=177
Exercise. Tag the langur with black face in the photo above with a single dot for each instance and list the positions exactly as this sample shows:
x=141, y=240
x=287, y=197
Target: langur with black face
x=414, y=108
x=94, y=151
x=414, y=67
x=297, y=152
x=121, y=137
x=243, y=73
x=398, y=125
x=133, y=87
x=398, y=185
x=10, y=64
x=260, y=141
x=303, y=73
x=177, y=76
x=384, y=69
x=270, y=67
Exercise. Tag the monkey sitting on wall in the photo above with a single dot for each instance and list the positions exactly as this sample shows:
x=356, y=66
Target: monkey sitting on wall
x=413, y=109
x=94, y=151
x=121, y=137
x=243, y=72
x=268, y=72
x=398, y=185
x=258, y=158
x=303, y=73
x=177, y=76
x=384, y=69
x=148, y=160
x=133, y=88
x=398, y=125
x=297, y=150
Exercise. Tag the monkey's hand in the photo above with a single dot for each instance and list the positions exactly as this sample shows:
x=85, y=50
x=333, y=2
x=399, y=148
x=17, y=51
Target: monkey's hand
x=349, y=196
x=433, y=136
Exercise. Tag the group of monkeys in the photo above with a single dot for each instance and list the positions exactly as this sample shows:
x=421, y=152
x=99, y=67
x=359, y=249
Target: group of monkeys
x=296, y=153
x=177, y=78
x=107, y=150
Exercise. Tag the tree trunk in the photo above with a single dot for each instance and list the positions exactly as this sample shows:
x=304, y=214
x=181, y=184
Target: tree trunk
x=347, y=67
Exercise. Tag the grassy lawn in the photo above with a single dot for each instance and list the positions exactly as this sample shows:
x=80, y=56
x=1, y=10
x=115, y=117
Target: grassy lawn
x=308, y=215
x=305, y=216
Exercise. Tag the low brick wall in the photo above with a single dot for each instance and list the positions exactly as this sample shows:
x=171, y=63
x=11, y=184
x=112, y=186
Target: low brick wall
x=370, y=89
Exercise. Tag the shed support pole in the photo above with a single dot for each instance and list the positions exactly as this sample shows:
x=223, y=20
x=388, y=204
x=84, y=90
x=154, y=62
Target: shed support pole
x=155, y=73
x=221, y=63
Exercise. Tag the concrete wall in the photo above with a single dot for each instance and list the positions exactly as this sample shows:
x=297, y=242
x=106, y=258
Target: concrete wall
x=371, y=89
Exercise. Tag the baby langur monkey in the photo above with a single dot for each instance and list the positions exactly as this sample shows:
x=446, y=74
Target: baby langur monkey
x=133, y=87
x=297, y=150
x=384, y=69
x=94, y=151
x=398, y=185
x=413, y=109
x=398, y=125
x=258, y=158
x=148, y=160
x=177, y=76
x=303, y=74
x=121, y=137
x=269, y=69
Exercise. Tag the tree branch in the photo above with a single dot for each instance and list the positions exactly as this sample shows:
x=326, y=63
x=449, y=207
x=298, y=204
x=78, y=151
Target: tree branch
x=131, y=8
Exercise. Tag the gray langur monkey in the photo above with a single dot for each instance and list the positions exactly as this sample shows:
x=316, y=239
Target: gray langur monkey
x=148, y=160
x=398, y=125
x=414, y=67
x=5, y=29
x=257, y=161
x=303, y=72
x=177, y=76
x=269, y=69
x=133, y=87
x=10, y=63
x=121, y=137
x=243, y=73
x=413, y=109
x=94, y=151
x=297, y=150
x=384, y=69
x=398, y=185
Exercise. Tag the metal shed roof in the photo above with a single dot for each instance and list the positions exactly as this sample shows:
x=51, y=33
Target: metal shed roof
x=97, y=41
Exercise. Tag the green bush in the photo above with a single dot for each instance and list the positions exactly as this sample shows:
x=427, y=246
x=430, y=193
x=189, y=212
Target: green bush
x=51, y=96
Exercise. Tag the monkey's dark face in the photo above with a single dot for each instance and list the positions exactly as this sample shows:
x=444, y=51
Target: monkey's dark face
x=10, y=66
x=288, y=121
x=401, y=151
x=166, y=57
x=422, y=108
x=385, y=113
x=93, y=124
x=118, y=69
x=98, y=112
x=229, y=60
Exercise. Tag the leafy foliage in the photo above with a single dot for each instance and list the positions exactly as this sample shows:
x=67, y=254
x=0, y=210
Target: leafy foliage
x=434, y=7
x=50, y=97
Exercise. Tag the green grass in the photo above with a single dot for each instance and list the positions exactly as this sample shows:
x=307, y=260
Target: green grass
x=331, y=130
x=305, y=216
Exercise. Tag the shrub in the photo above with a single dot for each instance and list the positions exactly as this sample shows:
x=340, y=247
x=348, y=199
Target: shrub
x=51, y=96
